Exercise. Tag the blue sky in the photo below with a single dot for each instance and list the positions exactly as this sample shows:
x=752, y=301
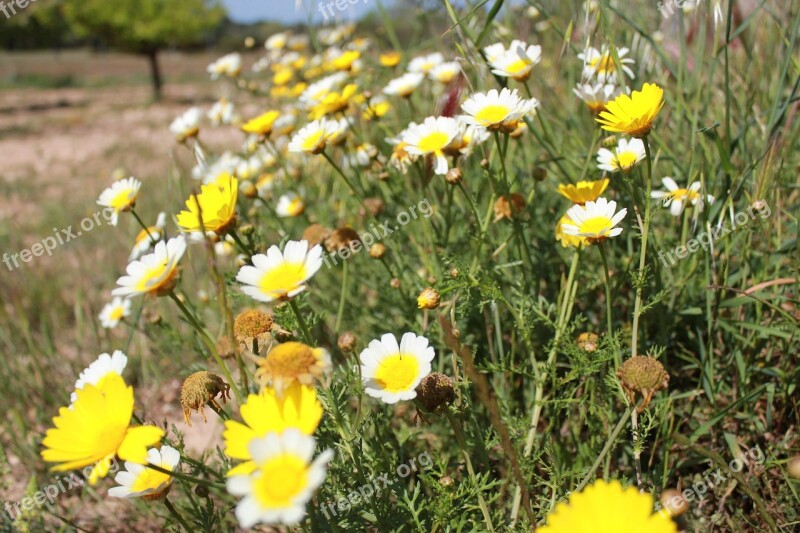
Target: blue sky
x=285, y=10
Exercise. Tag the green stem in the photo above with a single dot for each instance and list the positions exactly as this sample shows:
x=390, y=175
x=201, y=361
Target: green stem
x=342, y=174
x=302, y=323
x=609, y=443
x=609, y=322
x=342, y=297
x=174, y=512
x=209, y=345
x=637, y=309
x=143, y=225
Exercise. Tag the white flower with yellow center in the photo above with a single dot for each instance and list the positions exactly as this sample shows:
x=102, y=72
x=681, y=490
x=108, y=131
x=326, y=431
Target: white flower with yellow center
x=445, y=72
x=138, y=481
x=290, y=205
x=391, y=372
x=517, y=61
x=497, y=110
x=146, y=239
x=432, y=137
x=115, y=311
x=227, y=65
x=624, y=157
x=677, y=199
x=187, y=125
x=363, y=155
x=405, y=85
x=595, y=221
x=424, y=64
x=280, y=275
x=121, y=196
x=277, y=41
x=494, y=52
x=99, y=370
x=597, y=95
x=600, y=65
x=284, y=481
x=222, y=112
x=317, y=91
x=155, y=273
x=313, y=137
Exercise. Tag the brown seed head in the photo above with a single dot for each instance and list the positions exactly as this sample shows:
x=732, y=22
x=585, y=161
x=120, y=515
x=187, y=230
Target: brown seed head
x=435, y=390
x=200, y=389
x=643, y=375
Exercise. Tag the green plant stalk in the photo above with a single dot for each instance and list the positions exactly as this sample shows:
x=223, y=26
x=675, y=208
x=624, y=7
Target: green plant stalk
x=637, y=308
x=175, y=514
x=143, y=225
x=342, y=174
x=209, y=345
x=609, y=443
x=609, y=321
x=342, y=296
x=299, y=316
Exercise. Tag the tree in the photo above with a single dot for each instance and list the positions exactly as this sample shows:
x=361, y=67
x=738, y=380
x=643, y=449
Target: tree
x=144, y=27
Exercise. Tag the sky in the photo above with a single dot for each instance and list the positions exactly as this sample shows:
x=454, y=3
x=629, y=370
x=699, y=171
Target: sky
x=245, y=11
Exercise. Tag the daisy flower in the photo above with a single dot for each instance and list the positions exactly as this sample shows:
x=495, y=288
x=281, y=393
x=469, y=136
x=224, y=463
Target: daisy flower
x=624, y=157
x=605, y=506
x=314, y=93
x=146, y=239
x=424, y=64
x=565, y=239
x=120, y=197
x=187, y=125
x=432, y=137
x=138, y=481
x=222, y=112
x=517, y=61
x=280, y=275
x=346, y=60
x=115, y=311
x=313, y=137
x=155, y=273
x=262, y=124
x=601, y=66
x=334, y=102
x=268, y=412
x=597, y=95
x=391, y=372
x=284, y=481
x=362, y=155
x=105, y=365
x=596, y=220
x=290, y=205
x=494, y=51
x=277, y=41
x=583, y=191
x=377, y=107
x=677, y=199
x=389, y=59
x=445, y=72
x=292, y=362
x=405, y=85
x=634, y=114
x=214, y=209
x=497, y=110
x=469, y=137
x=96, y=429
x=227, y=65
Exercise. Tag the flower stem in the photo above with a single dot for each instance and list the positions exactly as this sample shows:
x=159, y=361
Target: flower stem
x=609, y=322
x=175, y=514
x=342, y=174
x=209, y=344
x=144, y=226
x=637, y=308
x=342, y=297
x=300, y=321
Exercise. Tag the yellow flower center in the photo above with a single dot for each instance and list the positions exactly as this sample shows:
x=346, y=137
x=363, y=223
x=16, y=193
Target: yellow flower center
x=117, y=313
x=626, y=160
x=282, y=478
x=603, y=64
x=155, y=277
x=122, y=200
x=398, y=372
x=518, y=67
x=154, y=231
x=313, y=140
x=295, y=207
x=150, y=479
x=434, y=142
x=595, y=226
x=685, y=194
x=283, y=278
x=492, y=114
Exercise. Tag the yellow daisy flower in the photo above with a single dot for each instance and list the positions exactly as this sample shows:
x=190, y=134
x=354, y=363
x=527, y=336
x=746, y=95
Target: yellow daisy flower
x=633, y=114
x=608, y=508
x=583, y=191
x=389, y=59
x=217, y=207
x=568, y=240
x=156, y=273
x=334, y=102
x=596, y=221
x=292, y=362
x=279, y=275
x=346, y=60
x=96, y=428
x=262, y=124
x=138, y=481
x=267, y=412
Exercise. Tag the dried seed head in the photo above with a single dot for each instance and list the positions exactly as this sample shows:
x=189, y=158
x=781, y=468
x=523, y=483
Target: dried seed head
x=435, y=390
x=453, y=273
x=539, y=173
x=374, y=206
x=252, y=324
x=643, y=375
x=347, y=341
x=341, y=238
x=395, y=283
x=377, y=250
x=316, y=234
x=428, y=298
x=509, y=206
x=610, y=141
x=247, y=229
x=292, y=361
x=588, y=341
x=199, y=389
x=454, y=176
x=673, y=502
x=446, y=481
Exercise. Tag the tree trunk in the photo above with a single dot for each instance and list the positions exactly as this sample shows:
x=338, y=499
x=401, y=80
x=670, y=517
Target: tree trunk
x=155, y=73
